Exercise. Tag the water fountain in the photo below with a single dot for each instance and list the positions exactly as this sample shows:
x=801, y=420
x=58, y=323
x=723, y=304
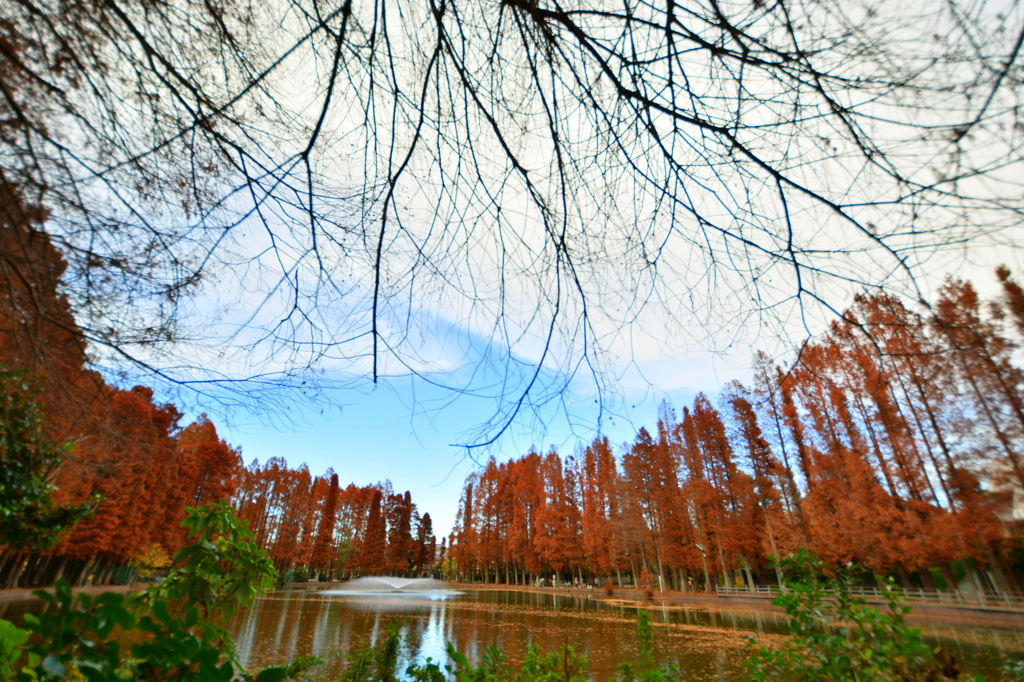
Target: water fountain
x=386, y=586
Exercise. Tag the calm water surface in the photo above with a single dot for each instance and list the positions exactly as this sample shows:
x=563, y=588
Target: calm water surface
x=706, y=644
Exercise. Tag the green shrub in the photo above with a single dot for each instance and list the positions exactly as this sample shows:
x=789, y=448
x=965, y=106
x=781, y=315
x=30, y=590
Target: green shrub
x=838, y=637
x=645, y=670
x=563, y=665
x=221, y=572
x=377, y=663
x=29, y=518
x=182, y=641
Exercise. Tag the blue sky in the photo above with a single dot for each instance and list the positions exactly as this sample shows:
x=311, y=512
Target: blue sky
x=406, y=430
x=393, y=432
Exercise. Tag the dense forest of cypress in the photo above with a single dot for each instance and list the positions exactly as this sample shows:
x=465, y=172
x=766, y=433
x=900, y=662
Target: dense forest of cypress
x=894, y=440
x=144, y=466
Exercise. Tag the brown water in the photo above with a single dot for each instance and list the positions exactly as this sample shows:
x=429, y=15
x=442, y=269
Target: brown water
x=706, y=644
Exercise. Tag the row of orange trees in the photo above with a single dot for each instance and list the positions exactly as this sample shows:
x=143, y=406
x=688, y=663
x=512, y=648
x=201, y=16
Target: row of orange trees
x=894, y=440
x=133, y=454
x=312, y=522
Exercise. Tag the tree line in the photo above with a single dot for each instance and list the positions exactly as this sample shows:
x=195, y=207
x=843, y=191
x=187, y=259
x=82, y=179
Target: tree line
x=894, y=441
x=313, y=523
x=131, y=458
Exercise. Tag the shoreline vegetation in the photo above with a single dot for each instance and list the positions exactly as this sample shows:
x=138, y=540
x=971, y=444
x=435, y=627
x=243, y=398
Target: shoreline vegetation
x=892, y=441
x=636, y=598
x=834, y=635
x=892, y=456
x=969, y=616
x=896, y=450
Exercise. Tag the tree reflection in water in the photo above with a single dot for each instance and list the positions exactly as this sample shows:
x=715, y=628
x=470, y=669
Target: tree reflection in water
x=704, y=643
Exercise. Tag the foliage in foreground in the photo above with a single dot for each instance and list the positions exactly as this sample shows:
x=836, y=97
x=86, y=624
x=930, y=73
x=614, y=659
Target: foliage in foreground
x=177, y=620
x=836, y=636
x=29, y=518
x=840, y=637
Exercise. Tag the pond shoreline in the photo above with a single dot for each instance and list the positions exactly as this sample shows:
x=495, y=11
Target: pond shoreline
x=922, y=613
x=704, y=633
x=19, y=593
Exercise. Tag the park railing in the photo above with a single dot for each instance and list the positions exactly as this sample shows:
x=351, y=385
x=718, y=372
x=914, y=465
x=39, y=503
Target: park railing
x=973, y=598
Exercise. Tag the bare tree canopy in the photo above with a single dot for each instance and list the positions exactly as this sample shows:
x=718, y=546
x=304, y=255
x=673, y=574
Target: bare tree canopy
x=496, y=194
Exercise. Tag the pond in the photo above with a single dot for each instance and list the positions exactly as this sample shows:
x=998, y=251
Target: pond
x=707, y=643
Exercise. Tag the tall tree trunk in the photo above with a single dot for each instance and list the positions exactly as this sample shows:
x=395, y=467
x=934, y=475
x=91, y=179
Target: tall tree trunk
x=746, y=569
x=972, y=573
x=707, y=574
x=1004, y=582
x=60, y=568
x=904, y=576
x=926, y=578
x=31, y=567
x=16, y=568
x=948, y=577
x=41, y=573
x=726, y=574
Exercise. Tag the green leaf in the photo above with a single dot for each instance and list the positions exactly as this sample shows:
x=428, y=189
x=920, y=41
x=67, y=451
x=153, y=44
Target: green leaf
x=11, y=635
x=161, y=612
x=275, y=674
x=459, y=658
x=122, y=617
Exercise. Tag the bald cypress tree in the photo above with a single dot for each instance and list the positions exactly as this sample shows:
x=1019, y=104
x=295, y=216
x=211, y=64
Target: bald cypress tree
x=323, y=547
x=373, y=548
